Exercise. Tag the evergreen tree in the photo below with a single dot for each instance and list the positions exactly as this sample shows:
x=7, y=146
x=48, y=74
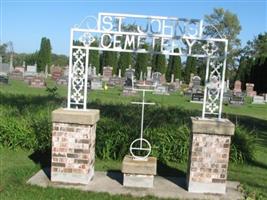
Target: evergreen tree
x=174, y=67
x=94, y=57
x=169, y=69
x=125, y=60
x=44, y=56
x=190, y=67
x=158, y=61
x=142, y=60
x=109, y=58
x=177, y=67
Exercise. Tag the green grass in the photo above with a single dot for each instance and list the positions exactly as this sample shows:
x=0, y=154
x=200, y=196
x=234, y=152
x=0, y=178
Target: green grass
x=113, y=96
x=19, y=165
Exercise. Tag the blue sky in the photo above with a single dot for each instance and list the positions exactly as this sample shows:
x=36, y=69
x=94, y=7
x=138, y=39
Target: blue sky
x=26, y=22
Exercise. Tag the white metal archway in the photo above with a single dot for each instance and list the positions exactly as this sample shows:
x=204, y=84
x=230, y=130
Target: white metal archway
x=186, y=35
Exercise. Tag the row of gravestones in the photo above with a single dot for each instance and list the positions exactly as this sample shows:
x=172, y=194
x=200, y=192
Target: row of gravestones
x=152, y=80
x=30, y=76
x=237, y=96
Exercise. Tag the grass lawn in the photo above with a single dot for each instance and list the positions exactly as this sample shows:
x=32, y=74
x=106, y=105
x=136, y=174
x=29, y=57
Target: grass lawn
x=17, y=166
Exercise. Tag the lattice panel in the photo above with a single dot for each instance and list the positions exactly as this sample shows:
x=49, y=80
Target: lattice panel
x=213, y=88
x=78, y=78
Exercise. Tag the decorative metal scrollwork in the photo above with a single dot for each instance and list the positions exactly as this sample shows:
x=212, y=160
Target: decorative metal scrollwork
x=78, y=76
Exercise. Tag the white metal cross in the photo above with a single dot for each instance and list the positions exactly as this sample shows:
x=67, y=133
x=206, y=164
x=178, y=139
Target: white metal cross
x=141, y=139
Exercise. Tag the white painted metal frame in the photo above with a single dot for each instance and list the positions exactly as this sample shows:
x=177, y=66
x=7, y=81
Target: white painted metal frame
x=189, y=37
x=141, y=139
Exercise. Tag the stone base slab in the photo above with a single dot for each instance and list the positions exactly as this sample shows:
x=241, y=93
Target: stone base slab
x=86, y=117
x=145, y=167
x=216, y=188
x=72, y=178
x=164, y=187
x=138, y=180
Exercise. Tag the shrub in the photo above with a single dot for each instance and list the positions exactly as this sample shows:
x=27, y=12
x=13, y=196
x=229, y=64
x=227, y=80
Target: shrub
x=243, y=145
x=26, y=122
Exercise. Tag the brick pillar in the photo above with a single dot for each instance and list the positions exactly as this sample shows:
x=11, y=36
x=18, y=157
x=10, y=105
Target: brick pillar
x=73, y=145
x=209, y=155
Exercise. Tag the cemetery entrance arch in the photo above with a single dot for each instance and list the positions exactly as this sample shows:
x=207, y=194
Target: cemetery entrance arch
x=186, y=35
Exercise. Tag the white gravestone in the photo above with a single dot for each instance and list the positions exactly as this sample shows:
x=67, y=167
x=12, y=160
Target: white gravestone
x=32, y=68
x=148, y=77
x=172, y=78
x=258, y=100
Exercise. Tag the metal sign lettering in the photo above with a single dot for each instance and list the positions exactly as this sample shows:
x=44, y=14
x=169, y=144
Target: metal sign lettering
x=140, y=34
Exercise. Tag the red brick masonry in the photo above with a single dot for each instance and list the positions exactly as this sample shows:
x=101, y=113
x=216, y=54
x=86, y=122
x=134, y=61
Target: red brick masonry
x=73, y=152
x=209, y=156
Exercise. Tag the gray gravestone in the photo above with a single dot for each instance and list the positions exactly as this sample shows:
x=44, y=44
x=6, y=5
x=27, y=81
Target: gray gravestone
x=156, y=78
x=161, y=90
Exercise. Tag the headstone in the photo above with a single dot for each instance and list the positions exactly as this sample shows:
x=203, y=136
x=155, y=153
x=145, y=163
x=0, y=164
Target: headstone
x=37, y=82
x=228, y=84
x=191, y=80
x=172, y=78
x=161, y=90
x=62, y=80
x=265, y=97
x=227, y=96
x=258, y=100
x=197, y=97
x=56, y=72
x=250, y=90
x=196, y=87
x=115, y=81
x=16, y=75
x=129, y=77
x=94, y=71
x=107, y=73
x=148, y=77
x=21, y=69
x=11, y=68
x=237, y=87
x=90, y=70
x=119, y=73
x=31, y=68
x=4, y=67
x=162, y=79
x=4, y=78
x=156, y=78
x=96, y=84
x=129, y=83
x=141, y=76
x=237, y=99
x=66, y=71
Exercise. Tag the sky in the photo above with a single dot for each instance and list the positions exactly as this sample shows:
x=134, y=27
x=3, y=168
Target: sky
x=25, y=22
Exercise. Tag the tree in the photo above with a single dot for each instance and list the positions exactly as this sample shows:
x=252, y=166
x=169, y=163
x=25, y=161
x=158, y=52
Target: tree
x=94, y=57
x=174, y=67
x=59, y=60
x=190, y=67
x=253, y=62
x=141, y=62
x=31, y=59
x=226, y=25
x=125, y=60
x=109, y=58
x=44, y=56
x=158, y=61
